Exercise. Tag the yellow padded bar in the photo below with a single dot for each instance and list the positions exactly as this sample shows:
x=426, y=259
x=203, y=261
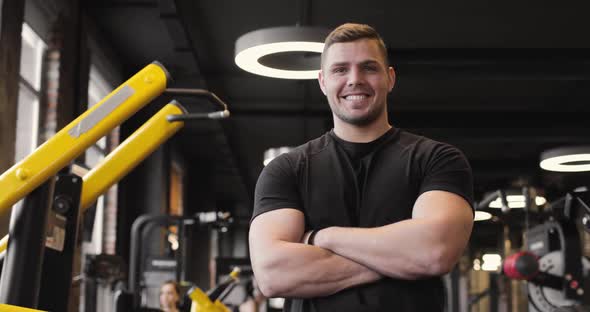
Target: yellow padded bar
x=73, y=139
x=3, y=243
x=126, y=156
x=202, y=303
x=129, y=154
x=11, y=308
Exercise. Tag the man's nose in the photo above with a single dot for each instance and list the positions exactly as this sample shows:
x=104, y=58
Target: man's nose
x=355, y=77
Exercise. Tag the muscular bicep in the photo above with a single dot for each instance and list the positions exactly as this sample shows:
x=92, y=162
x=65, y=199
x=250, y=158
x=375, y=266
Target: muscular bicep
x=271, y=229
x=285, y=224
x=449, y=214
x=274, y=236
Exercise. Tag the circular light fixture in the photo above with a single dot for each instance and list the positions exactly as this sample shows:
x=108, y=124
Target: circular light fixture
x=282, y=52
x=491, y=262
x=566, y=159
x=482, y=216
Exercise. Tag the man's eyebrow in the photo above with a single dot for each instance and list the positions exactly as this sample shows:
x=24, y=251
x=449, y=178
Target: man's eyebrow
x=367, y=62
x=339, y=64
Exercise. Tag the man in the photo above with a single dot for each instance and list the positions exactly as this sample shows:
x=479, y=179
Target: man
x=366, y=217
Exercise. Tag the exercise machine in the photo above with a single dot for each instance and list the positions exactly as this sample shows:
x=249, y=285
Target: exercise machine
x=38, y=253
x=552, y=262
x=129, y=299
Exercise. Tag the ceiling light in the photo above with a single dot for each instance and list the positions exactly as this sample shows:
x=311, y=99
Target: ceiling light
x=491, y=262
x=173, y=240
x=273, y=152
x=566, y=159
x=282, y=52
x=482, y=216
x=516, y=201
x=476, y=264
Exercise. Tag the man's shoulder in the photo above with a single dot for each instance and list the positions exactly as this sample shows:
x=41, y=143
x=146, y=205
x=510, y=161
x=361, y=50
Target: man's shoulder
x=297, y=155
x=311, y=147
x=422, y=143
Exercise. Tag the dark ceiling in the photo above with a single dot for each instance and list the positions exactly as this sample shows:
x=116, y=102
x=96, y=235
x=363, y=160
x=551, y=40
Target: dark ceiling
x=501, y=80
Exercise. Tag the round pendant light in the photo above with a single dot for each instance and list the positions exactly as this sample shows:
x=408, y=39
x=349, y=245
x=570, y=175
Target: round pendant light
x=282, y=52
x=566, y=159
x=482, y=216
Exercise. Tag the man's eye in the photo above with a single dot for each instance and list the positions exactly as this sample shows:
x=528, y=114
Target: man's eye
x=339, y=70
x=371, y=68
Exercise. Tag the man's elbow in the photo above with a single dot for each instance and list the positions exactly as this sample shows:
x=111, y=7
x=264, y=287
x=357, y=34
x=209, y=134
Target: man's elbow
x=273, y=287
x=269, y=281
x=268, y=288
x=442, y=261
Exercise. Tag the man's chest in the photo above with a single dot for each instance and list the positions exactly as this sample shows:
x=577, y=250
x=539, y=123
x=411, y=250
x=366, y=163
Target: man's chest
x=334, y=193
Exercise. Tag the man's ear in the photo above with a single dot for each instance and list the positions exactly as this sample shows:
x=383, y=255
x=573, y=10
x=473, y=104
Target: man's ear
x=321, y=81
x=391, y=73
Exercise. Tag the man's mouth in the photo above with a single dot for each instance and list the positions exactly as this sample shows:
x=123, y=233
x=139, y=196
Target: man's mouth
x=360, y=96
x=355, y=97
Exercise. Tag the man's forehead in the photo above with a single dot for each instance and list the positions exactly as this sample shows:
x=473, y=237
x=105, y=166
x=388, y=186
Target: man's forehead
x=342, y=52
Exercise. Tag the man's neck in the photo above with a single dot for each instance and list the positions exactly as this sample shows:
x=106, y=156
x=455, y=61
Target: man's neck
x=360, y=134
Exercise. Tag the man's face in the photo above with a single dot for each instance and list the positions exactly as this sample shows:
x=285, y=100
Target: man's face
x=356, y=81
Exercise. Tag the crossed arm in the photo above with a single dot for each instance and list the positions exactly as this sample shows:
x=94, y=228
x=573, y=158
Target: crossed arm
x=429, y=244
x=284, y=267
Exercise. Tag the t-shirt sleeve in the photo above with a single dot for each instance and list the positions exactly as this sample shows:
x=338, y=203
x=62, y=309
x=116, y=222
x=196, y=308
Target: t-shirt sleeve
x=447, y=169
x=276, y=187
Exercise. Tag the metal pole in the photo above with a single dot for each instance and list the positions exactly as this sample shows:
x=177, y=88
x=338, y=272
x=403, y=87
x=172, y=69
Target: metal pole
x=136, y=246
x=21, y=273
x=180, y=252
x=183, y=253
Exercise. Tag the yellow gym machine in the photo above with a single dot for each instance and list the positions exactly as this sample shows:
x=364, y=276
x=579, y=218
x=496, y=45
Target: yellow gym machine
x=39, y=254
x=211, y=302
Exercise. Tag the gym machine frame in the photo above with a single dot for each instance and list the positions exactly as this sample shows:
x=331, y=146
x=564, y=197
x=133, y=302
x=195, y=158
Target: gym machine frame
x=129, y=299
x=36, y=179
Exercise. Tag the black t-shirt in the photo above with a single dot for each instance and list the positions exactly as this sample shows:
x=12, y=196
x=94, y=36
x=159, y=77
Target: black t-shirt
x=339, y=183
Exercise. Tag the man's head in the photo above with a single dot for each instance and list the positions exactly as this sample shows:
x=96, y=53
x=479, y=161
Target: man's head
x=351, y=32
x=355, y=75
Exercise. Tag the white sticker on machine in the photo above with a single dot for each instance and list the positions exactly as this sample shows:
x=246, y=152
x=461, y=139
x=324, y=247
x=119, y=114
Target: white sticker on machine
x=56, y=232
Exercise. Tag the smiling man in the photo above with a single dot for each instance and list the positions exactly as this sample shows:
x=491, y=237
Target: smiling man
x=366, y=217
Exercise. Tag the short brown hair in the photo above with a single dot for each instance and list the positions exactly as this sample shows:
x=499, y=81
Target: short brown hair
x=351, y=32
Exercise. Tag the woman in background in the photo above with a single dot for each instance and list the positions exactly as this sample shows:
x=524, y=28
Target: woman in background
x=170, y=296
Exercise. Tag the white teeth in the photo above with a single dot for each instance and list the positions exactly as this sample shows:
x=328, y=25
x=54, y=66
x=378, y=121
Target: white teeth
x=355, y=97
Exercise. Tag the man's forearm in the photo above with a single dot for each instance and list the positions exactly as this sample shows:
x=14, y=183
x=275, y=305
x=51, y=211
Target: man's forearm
x=427, y=245
x=299, y=270
x=409, y=249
